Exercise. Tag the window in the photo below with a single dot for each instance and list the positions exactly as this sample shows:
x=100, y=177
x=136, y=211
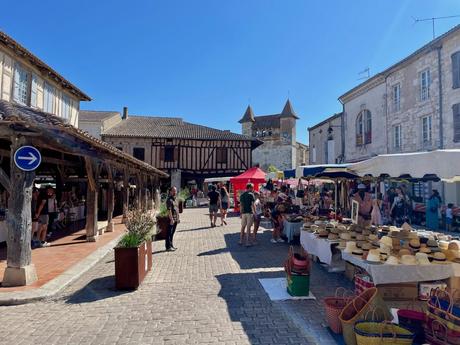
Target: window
x=313, y=155
x=169, y=154
x=425, y=81
x=65, y=111
x=397, y=137
x=456, y=70
x=139, y=153
x=33, y=91
x=221, y=155
x=456, y=114
x=426, y=129
x=364, y=128
x=396, y=97
x=21, y=85
x=48, y=101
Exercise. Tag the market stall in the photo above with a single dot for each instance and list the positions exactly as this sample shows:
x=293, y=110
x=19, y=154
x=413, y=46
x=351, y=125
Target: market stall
x=255, y=175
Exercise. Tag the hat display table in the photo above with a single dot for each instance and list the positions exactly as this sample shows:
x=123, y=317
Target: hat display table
x=320, y=247
x=393, y=274
x=291, y=228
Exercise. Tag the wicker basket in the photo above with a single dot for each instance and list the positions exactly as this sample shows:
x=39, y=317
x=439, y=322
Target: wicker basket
x=377, y=333
x=334, y=306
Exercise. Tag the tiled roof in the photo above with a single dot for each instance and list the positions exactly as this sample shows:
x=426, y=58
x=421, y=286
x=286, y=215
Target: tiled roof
x=26, y=54
x=93, y=115
x=168, y=127
x=248, y=115
x=13, y=114
x=267, y=121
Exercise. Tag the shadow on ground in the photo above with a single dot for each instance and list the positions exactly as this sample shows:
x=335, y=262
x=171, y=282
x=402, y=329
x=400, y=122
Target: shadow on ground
x=96, y=290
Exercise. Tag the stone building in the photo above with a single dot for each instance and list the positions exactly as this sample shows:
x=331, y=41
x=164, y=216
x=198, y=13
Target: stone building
x=188, y=152
x=414, y=105
x=302, y=154
x=278, y=134
x=28, y=81
x=325, y=139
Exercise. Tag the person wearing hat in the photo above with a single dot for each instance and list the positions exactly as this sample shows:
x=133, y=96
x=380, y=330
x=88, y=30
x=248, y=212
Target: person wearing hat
x=365, y=205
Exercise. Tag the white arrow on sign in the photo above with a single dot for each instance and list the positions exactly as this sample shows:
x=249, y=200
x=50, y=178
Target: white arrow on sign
x=32, y=158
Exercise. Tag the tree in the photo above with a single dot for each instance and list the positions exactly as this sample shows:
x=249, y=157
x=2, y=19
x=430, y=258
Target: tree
x=272, y=169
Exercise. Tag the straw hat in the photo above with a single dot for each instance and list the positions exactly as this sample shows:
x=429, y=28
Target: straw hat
x=406, y=226
x=432, y=243
x=353, y=234
x=345, y=236
x=439, y=258
x=392, y=228
x=451, y=255
x=422, y=259
x=413, y=235
x=351, y=245
x=357, y=251
x=366, y=232
x=373, y=256
x=444, y=245
x=342, y=227
x=323, y=233
x=425, y=250
x=342, y=244
x=366, y=246
x=403, y=252
x=332, y=237
x=373, y=237
x=360, y=237
x=454, y=245
x=335, y=231
x=408, y=260
x=414, y=244
x=392, y=260
x=387, y=241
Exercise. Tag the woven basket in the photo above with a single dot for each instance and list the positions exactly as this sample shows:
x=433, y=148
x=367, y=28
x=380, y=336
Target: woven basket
x=334, y=306
x=358, y=308
x=413, y=320
x=441, y=307
x=437, y=333
x=376, y=333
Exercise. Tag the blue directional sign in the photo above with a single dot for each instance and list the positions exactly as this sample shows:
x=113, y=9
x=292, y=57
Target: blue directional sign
x=27, y=158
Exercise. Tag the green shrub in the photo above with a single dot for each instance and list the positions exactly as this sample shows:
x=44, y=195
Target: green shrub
x=163, y=210
x=184, y=194
x=130, y=240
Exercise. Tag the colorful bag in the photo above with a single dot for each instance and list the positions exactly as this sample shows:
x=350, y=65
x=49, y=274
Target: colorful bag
x=376, y=333
x=334, y=306
x=361, y=283
x=414, y=320
x=437, y=333
x=357, y=310
x=441, y=307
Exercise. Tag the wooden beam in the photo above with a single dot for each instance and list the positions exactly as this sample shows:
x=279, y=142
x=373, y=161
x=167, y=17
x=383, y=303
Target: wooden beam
x=90, y=173
x=5, y=180
x=110, y=200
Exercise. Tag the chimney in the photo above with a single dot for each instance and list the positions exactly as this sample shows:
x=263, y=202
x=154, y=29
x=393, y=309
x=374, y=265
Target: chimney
x=125, y=113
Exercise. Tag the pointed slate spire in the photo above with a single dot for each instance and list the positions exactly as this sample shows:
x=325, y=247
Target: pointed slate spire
x=248, y=116
x=288, y=110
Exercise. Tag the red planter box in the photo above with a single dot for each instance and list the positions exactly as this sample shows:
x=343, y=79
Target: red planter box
x=132, y=265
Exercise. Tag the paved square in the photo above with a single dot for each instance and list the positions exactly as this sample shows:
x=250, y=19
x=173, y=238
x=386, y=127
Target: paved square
x=207, y=292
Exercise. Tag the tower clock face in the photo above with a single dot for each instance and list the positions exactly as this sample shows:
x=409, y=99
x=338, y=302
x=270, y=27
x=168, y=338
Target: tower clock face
x=285, y=136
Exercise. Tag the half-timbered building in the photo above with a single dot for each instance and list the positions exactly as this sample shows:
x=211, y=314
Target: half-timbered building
x=188, y=152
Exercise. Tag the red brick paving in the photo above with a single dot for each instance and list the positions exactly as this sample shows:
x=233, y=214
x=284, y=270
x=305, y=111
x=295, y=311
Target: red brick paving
x=63, y=254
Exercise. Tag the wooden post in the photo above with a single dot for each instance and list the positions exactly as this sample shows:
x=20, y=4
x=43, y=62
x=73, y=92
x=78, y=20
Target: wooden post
x=20, y=270
x=91, y=202
x=110, y=200
x=139, y=191
x=125, y=195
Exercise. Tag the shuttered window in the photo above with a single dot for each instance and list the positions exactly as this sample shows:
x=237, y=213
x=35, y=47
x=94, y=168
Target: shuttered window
x=169, y=154
x=33, y=91
x=48, y=98
x=456, y=70
x=456, y=114
x=221, y=155
x=65, y=106
x=20, y=85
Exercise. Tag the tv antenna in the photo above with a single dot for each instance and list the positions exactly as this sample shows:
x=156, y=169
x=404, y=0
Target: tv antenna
x=433, y=19
x=365, y=74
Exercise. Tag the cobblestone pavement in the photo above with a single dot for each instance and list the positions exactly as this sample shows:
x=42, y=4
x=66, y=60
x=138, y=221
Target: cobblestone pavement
x=207, y=292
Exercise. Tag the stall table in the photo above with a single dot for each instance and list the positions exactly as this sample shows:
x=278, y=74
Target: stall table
x=290, y=229
x=394, y=274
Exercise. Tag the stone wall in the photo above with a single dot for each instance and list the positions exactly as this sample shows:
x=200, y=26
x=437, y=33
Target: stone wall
x=318, y=140
x=271, y=153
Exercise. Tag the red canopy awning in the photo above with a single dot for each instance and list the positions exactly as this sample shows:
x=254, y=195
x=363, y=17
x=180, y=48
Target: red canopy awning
x=254, y=175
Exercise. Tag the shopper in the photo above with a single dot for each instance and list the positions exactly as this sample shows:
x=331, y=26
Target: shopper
x=35, y=225
x=214, y=203
x=224, y=203
x=365, y=205
x=258, y=211
x=398, y=208
x=376, y=214
x=277, y=219
x=247, y=212
x=173, y=213
x=449, y=216
x=432, y=207
x=42, y=215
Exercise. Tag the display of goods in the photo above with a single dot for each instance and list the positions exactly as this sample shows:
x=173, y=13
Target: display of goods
x=413, y=320
x=424, y=289
x=376, y=333
x=362, y=282
x=357, y=310
x=297, y=284
x=333, y=306
x=441, y=307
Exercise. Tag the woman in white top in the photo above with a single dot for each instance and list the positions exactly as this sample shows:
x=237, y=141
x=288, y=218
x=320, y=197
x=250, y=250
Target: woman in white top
x=257, y=216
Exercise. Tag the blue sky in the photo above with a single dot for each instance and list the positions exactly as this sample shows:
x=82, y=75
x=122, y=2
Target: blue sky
x=204, y=60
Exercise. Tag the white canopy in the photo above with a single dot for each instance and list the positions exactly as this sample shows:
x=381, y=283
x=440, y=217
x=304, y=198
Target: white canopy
x=445, y=164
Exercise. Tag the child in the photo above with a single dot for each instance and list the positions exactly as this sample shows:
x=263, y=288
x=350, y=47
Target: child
x=449, y=216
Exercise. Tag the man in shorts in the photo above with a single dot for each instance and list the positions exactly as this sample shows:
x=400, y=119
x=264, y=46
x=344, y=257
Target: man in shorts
x=247, y=212
x=214, y=205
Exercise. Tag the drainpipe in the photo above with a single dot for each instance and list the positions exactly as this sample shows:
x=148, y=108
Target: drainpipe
x=441, y=131
x=342, y=131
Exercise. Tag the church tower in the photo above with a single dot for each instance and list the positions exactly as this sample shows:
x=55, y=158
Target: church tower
x=247, y=121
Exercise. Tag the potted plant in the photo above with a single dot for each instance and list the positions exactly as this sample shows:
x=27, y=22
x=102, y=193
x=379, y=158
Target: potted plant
x=184, y=194
x=133, y=254
x=162, y=222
